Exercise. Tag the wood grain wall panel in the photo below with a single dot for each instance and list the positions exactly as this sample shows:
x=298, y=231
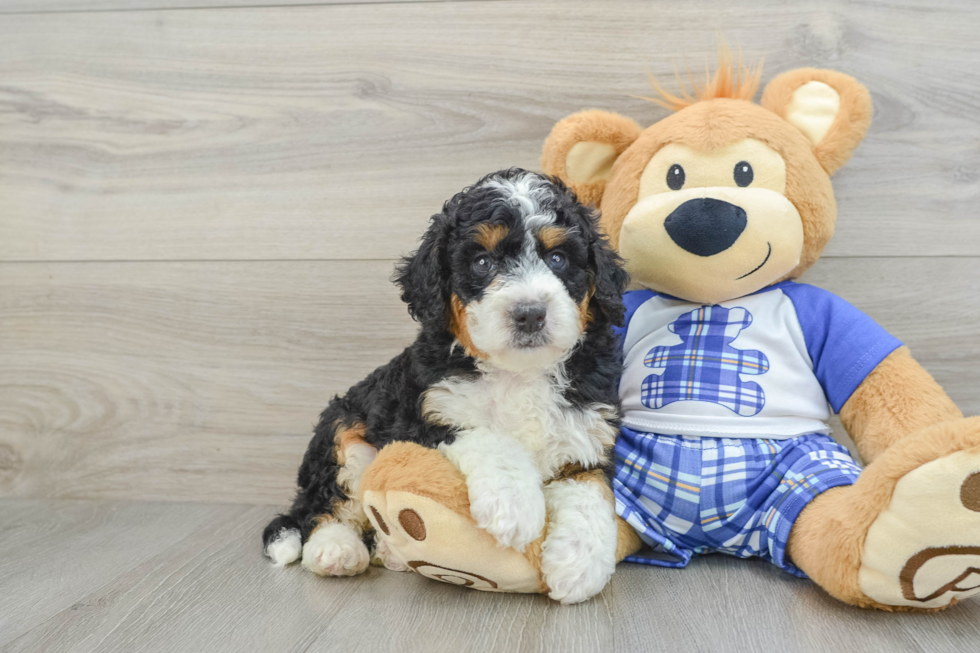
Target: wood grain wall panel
x=64, y=6
x=201, y=381
x=333, y=132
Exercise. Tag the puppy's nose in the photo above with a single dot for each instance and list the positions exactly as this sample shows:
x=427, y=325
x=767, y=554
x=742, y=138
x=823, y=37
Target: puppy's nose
x=706, y=226
x=529, y=318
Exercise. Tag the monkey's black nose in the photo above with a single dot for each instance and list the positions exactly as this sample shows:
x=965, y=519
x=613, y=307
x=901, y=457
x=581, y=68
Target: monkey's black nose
x=529, y=318
x=705, y=226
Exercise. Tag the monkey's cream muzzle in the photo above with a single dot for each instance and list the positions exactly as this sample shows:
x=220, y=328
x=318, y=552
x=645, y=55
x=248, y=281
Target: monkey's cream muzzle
x=709, y=244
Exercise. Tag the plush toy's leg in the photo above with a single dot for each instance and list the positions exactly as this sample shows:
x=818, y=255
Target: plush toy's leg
x=418, y=503
x=628, y=540
x=907, y=534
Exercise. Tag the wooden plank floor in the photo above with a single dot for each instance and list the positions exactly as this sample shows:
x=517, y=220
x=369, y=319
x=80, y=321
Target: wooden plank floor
x=201, y=202
x=122, y=576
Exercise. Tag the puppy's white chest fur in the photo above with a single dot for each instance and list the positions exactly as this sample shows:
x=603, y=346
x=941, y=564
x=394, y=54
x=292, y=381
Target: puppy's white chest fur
x=528, y=408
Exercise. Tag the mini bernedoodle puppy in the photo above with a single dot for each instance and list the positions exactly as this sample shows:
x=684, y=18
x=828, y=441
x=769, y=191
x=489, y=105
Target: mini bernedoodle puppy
x=513, y=376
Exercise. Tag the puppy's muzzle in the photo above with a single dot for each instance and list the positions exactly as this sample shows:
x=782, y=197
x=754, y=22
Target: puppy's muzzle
x=529, y=318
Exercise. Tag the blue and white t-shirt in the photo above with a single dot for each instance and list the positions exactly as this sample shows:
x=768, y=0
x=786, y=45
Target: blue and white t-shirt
x=768, y=365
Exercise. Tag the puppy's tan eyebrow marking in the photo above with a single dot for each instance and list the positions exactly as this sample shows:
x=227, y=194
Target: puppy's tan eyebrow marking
x=552, y=236
x=489, y=235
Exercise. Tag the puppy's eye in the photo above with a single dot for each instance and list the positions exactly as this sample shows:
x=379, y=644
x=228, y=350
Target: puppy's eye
x=743, y=174
x=676, y=177
x=483, y=264
x=557, y=261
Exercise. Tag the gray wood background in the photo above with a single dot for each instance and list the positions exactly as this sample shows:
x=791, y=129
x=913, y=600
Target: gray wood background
x=200, y=205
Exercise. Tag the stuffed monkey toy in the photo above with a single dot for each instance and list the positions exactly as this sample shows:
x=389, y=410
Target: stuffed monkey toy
x=732, y=368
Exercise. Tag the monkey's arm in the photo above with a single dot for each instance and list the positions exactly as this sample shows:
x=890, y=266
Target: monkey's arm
x=897, y=399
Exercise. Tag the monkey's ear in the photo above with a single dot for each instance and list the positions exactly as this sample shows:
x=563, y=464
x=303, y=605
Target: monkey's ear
x=833, y=110
x=582, y=149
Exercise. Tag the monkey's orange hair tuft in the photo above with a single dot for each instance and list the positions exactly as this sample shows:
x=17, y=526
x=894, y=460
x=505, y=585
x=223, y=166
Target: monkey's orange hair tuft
x=731, y=80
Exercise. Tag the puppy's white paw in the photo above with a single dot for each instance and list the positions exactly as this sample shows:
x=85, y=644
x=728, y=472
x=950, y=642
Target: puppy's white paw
x=579, y=555
x=511, y=508
x=335, y=550
x=574, y=568
x=286, y=548
x=383, y=557
x=506, y=497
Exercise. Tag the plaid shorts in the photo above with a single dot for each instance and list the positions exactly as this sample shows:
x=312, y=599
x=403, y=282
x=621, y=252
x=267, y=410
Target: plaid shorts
x=740, y=496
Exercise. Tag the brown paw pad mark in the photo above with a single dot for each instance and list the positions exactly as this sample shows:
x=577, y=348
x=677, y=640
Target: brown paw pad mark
x=967, y=581
x=412, y=523
x=381, y=522
x=452, y=576
x=970, y=492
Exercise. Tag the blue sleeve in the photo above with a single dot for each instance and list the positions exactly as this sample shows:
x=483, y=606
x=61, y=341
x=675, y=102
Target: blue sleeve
x=632, y=300
x=844, y=344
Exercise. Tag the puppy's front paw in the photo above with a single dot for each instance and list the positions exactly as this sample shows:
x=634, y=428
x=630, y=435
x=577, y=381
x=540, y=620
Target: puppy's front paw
x=383, y=557
x=335, y=550
x=509, y=508
x=579, y=555
x=575, y=567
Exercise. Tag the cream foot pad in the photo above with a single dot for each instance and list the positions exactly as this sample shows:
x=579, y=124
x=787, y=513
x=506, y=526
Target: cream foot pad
x=443, y=545
x=923, y=551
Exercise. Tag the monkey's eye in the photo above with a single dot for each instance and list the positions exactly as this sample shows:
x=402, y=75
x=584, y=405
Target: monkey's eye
x=675, y=177
x=557, y=261
x=743, y=173
x=483, y=264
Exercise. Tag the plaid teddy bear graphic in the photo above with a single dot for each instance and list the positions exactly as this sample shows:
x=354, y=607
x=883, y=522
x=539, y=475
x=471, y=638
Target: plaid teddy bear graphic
x=705, y=367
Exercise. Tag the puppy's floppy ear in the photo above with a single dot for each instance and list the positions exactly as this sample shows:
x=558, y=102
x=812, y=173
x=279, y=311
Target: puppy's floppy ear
x=609, y=278
x=833, y=110
x=424, y=275
x=582, y=149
